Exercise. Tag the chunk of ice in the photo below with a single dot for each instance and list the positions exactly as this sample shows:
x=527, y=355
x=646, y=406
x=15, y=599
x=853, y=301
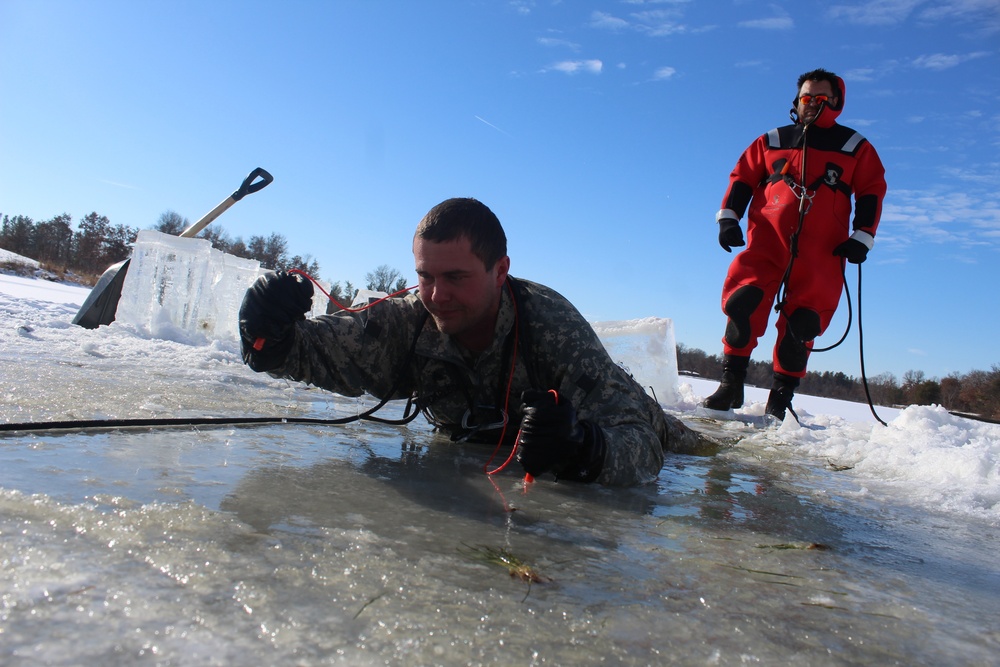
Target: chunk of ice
x=184, y=289
x=647, y=350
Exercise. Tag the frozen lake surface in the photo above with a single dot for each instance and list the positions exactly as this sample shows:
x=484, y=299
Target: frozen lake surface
x=368, y=544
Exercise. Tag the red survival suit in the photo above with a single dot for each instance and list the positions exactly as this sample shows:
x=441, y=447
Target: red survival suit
x=768, y=176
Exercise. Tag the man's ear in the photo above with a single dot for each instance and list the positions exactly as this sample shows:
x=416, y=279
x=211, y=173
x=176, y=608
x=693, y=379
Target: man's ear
x=502, y=268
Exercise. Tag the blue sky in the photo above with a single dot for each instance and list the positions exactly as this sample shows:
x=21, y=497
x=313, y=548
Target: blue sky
x=601, y=133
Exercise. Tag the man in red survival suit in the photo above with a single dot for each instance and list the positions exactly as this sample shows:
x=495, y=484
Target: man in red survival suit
x=798, y=181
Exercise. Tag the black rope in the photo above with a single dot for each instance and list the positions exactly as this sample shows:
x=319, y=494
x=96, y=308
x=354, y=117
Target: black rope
x=87, y=424
x=173, y=422
x=861, y=352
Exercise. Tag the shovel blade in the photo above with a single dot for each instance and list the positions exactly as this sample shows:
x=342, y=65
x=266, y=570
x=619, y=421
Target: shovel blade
x=102, y=302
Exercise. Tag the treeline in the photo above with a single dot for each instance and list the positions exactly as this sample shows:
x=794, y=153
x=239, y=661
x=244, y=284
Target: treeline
x=976, y=392
x=96, y=244
x=89, y=249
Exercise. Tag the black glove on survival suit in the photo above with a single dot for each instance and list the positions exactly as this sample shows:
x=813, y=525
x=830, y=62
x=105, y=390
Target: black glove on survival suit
x=730, y=234
x=551, y=439
x=271, y=307
x=852, y=250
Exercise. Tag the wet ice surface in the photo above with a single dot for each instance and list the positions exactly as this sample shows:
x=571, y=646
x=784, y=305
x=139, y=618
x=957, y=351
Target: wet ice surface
x=365, y=544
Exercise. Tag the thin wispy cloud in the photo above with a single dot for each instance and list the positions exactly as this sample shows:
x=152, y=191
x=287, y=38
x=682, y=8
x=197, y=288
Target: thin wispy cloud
x=774, y=23
x=486, y=122
x=874, y=12
x=522, y=7
x=862, y=74
x=554, y=42
x=664, y=73
x=984, y=15
x=120, y=185
x=966, y=219
x=653, y=22
x=659, y=22
x=943, y=61
x=606, y=21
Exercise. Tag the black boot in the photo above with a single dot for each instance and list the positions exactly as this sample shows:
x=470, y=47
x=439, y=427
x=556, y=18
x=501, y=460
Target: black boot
x=780, y=398
x=729, y=395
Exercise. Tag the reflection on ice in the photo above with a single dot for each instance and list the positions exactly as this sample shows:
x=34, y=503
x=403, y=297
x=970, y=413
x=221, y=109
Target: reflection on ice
x=352, y=545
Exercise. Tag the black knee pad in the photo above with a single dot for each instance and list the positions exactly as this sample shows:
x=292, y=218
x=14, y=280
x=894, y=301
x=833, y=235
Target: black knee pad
x=802, y=327
x=739, y=307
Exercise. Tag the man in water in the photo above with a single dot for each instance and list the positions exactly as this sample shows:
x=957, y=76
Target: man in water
x=473, y=347
x=800, y=179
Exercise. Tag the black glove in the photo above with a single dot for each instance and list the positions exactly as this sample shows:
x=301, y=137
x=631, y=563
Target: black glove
x=270, y=309
x=855, y=251
x=551, y=439
x=730, y=234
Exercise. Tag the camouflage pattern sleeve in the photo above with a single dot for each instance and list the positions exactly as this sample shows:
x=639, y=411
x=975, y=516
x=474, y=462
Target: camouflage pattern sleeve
x=572, y=359
x=355, y=353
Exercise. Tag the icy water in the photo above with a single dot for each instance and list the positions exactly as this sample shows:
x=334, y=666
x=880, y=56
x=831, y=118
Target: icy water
x=370, y=544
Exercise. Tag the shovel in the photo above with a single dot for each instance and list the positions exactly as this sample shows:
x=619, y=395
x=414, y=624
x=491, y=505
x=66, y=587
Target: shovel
x=102, y=302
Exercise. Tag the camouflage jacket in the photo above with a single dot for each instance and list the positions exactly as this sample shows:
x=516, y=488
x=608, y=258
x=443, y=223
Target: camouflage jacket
x=541, y=342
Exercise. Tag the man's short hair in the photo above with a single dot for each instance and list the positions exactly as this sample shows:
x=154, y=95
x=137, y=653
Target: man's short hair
x=821, y=75
x=464, y=216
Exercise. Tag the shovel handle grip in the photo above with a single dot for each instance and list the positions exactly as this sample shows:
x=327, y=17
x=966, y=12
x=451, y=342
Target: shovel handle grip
x=251, y=184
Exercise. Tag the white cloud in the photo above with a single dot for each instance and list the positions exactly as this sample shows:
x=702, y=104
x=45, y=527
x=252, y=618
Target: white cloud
x=575, y=66
x=664, y=73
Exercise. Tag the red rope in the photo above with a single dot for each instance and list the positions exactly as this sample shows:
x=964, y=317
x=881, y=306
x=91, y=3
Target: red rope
x=259, y=343
x=340, y=305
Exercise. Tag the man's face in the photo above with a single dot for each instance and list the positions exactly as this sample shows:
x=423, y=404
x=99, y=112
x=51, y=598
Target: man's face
x=461, y=294
x=808, y=111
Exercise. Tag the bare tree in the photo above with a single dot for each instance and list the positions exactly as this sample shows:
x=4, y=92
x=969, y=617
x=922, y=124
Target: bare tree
x=171, y=223
x=383, y=278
